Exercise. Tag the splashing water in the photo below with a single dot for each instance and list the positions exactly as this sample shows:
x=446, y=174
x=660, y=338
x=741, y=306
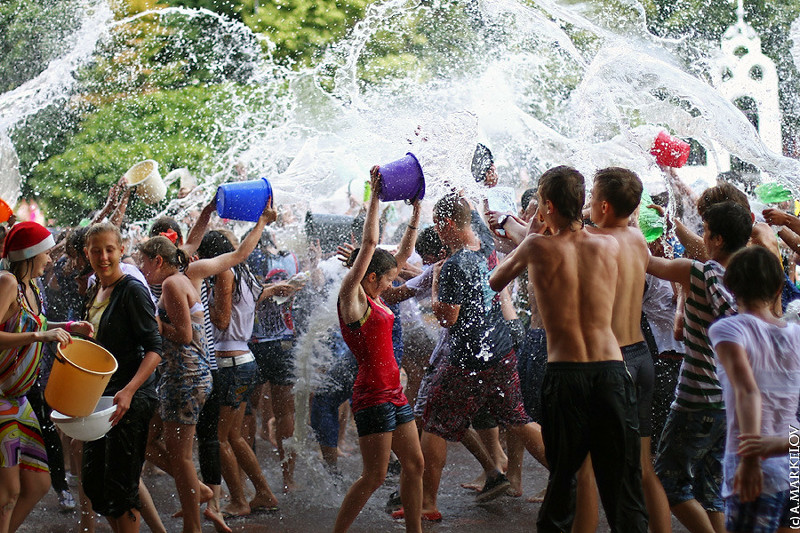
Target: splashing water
x=541, y=85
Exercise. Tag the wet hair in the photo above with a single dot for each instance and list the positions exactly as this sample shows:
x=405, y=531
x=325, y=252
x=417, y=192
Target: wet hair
x=454, y=207
x=721, y=193
x=102, y=227
x=382, y=262
x=164, y=224
x=621, y=188
x=754, y=274
x=429, y=243
x=732, y=222
x=76, y=240
x=527, y=196
x=163, y=247
x=565, y=187
x=215, y=243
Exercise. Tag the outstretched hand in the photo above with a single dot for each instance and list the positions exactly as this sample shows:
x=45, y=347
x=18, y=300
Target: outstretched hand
x=344, y=251
x=776, y=217
x=56, y=335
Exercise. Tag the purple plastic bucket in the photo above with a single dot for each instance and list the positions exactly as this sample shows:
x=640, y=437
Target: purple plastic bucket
x=243, y=200
x=402, y=180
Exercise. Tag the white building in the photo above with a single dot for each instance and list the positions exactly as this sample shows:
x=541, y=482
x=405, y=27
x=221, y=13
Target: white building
x=748, y=79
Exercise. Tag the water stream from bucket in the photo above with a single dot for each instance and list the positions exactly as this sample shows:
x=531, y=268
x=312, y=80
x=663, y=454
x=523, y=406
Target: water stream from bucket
x=541, y=84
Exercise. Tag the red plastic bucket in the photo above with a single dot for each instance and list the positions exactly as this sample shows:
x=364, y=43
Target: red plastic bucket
x=670, y=151
x=402, y=180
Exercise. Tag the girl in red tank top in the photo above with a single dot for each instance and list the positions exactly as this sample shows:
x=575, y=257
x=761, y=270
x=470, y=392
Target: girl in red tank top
x=384, y=419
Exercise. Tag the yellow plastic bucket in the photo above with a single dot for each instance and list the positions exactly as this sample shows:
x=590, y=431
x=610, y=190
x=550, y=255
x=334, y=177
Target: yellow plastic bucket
x=149, y=185
x=79, y=376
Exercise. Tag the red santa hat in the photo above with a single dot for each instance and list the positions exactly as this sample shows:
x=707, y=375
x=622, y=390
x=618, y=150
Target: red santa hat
x=26, y=240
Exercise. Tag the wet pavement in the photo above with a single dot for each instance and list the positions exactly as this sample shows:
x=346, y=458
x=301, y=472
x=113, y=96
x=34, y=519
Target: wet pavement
x=313, y=507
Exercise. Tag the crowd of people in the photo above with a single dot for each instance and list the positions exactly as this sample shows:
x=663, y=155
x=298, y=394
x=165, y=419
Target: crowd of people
x=658, y=377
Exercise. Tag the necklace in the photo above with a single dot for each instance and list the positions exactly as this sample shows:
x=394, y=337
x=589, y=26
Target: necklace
x=113, y=283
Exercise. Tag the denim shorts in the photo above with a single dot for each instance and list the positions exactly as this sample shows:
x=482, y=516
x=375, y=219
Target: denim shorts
x=236, y=383
x=275, y=360
x=765, y=515
x=382, y=418
x=689, y=457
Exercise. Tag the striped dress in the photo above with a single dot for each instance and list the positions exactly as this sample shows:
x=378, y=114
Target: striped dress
x=19, y=366
x=698, y=385
x=21, y=442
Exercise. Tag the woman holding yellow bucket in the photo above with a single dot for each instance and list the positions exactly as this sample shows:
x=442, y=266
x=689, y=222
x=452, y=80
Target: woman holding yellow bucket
x=24, y=477
x=123, y=314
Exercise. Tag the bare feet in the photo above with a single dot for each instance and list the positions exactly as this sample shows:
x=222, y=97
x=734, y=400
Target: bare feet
x=539, y=498
x=513, y=492
x=217, y=519
x=267, y=501
x=476, y=484
x=235, y=510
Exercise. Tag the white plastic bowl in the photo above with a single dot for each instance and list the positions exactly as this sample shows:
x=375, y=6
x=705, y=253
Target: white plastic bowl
x=87, y=428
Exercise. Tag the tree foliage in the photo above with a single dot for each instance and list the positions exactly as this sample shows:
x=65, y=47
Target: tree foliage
x=177, y=128
x=32, y=33
x=300, y=29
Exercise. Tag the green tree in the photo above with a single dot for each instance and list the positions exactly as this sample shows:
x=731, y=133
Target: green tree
x=300, y=29
x=32, y=33
x=177, y=128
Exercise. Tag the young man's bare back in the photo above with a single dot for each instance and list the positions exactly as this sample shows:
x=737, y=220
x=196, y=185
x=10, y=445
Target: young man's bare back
x=588, y=398
x=616, y=194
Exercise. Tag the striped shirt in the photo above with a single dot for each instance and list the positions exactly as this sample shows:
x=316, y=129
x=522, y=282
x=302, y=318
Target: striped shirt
x=698, y=385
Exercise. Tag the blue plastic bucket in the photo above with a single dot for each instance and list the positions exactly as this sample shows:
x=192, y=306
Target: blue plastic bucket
x=243, y=200
x=402, y=180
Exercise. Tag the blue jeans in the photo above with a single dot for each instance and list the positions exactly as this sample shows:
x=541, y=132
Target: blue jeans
x=689, y=457
x=325, y=403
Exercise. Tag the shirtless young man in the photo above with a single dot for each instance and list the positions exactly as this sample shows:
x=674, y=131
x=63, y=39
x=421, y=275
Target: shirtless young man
x=588, y=397
x=616, y=194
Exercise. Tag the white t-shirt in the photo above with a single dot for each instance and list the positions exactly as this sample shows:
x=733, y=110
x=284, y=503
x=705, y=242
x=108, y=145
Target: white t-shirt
x=774, y=355
x=659, y=308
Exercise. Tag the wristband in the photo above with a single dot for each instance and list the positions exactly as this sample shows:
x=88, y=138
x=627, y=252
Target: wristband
x=68, y=326
x=412, y=227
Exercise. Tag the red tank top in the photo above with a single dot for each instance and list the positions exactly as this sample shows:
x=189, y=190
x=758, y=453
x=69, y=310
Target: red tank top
x=370, y=340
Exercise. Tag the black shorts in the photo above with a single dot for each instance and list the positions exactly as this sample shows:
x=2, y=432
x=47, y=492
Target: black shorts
x=275, y=361
x=591, y=408
x=382, y=418
x=112, y=465
x=640, y=365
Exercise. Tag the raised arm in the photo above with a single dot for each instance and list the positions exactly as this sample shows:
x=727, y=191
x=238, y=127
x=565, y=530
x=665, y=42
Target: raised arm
x=677, y=270
x=195, y=236
x=212, y=266
x=781, y=218
x=351, y=282
x=691, y=241
x=513, y=265
x=406, y=247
